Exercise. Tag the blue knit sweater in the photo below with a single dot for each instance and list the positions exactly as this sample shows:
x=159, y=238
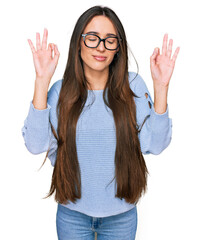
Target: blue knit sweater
x=96, y=143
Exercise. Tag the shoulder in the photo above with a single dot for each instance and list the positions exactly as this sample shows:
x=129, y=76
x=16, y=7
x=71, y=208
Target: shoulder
x=137, y=84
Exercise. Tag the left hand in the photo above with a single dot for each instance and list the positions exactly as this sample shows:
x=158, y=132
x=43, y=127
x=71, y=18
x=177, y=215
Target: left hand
x=162, y=65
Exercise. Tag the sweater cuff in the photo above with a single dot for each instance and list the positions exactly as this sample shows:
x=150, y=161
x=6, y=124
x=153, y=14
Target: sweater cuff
x=38, y=118
x=159, y=122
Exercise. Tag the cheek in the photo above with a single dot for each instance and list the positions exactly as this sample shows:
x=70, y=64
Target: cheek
x=84, y=53
x=111, y=57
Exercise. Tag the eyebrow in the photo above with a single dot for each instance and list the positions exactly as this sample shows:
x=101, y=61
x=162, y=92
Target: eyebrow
x=108, y=34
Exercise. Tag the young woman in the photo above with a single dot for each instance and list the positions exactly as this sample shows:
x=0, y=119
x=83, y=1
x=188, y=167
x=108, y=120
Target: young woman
x=95, y=124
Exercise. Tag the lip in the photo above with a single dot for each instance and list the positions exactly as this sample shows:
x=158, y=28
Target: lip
x=99, y=58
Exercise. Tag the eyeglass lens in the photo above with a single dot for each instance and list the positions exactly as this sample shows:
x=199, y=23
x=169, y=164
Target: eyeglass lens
x=93, y=41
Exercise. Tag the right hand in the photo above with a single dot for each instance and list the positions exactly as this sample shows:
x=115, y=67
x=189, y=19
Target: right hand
x=44, y=61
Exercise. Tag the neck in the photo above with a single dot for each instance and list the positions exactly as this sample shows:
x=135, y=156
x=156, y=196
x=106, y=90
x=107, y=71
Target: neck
x=97, y=79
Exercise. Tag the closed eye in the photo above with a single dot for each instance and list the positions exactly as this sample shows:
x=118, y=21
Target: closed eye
x=92, y=39
x=111, y=40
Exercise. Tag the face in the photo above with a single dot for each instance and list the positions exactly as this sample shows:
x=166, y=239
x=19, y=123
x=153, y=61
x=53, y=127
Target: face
x=99, y=58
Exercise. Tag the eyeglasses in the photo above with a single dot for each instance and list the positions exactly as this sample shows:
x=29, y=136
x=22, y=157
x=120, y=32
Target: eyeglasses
x=92, y=41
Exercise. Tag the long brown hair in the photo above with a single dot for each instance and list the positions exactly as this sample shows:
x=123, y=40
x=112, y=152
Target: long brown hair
x=130, y=168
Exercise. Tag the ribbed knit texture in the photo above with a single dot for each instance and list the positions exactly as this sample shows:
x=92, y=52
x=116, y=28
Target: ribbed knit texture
x=96, y=143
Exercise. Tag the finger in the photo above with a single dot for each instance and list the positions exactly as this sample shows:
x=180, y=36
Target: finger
x=56, y=54
x=175, y=55
x=153, y=57
x=169, y=51
x=164, y=47
x=38, y=45
x=158, y=49
x=31, y=46
x=44, y=41
x=56, y=50
x=51, y=49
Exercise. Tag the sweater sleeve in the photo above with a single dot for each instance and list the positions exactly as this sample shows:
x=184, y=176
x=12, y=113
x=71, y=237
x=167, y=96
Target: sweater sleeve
x=37, y=133
x=155, y=129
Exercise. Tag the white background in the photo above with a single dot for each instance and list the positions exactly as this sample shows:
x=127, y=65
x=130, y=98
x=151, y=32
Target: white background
x=171, y=207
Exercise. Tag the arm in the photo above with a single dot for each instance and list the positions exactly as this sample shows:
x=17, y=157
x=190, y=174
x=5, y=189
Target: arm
x=155, y=129
x=37, y=133
x=156, y=133
x=162, y=66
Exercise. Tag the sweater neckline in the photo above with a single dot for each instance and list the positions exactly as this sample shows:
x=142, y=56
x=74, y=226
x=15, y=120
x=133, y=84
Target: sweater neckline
x=100, y=90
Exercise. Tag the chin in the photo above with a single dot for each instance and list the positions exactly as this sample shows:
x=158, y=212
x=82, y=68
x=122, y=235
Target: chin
x=99, y=67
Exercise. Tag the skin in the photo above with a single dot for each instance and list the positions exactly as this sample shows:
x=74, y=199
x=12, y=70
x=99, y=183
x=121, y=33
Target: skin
x=46, y=60
x=162, y=66
x=97, y=72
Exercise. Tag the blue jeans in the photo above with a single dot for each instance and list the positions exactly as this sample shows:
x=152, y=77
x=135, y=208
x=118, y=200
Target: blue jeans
x=73, y=225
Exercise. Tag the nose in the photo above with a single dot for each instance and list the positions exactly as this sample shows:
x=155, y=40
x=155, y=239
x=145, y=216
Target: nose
x=101, y=46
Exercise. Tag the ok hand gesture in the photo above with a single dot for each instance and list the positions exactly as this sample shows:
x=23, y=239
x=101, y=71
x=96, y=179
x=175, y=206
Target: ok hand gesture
x=44, y=61
x=162, y=65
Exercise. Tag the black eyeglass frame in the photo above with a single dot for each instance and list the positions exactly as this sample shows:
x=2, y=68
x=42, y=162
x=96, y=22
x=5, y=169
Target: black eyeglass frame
x=100, y=40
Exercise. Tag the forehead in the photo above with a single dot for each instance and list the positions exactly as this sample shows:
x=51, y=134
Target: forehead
x=100, y=24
